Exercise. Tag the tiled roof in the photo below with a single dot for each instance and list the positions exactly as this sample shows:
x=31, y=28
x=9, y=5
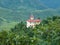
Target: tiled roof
x=37, y=20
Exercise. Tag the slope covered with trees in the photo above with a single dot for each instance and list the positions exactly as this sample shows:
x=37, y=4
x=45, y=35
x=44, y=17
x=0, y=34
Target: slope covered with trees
x=47, y=33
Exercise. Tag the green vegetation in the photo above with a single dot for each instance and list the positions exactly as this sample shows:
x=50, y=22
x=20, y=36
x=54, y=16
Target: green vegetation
x=47, y=33
x=23, y=13
x=14, y=32
x=9, y=18
x=7, y=26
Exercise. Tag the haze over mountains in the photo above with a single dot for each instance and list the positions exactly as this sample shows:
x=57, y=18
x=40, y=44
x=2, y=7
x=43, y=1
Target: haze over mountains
x=17, y=10
x=37, y=4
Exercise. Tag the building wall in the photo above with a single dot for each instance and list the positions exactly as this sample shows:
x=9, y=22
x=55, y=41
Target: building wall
x=32, y=24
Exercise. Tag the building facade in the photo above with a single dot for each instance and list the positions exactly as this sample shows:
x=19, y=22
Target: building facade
x=32, y=22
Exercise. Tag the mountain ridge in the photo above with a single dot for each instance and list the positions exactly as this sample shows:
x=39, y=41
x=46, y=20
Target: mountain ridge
x=37, y=4
x=23, y=14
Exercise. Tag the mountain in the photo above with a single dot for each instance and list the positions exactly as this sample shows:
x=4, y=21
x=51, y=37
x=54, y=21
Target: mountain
x=23, y=14
x=17, y=10
x=14, y=11
x=14, y=4
x=36, y=4
x=51, y=3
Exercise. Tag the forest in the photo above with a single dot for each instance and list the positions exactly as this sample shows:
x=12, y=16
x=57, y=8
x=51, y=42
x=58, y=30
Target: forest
x=46, y=33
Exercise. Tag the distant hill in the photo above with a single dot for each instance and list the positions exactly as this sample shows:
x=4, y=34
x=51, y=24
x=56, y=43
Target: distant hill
x=14, y=4
x=24, y=13
x=51, y=3
x=37, y=4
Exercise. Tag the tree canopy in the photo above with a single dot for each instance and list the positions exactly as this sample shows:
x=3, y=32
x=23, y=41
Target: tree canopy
x=46, y=33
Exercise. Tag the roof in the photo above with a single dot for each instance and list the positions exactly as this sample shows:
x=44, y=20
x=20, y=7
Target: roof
x=37, y=20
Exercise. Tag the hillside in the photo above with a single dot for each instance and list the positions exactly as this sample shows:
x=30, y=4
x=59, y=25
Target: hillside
x=14, y=4
x=15, y=10
x=46, y=33
x=37, y=4
x=24, y=13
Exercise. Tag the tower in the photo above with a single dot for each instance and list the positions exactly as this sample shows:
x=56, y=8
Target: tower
x=31, y=17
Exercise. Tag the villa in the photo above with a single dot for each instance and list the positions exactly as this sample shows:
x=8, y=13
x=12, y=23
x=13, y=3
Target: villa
x=32, y=22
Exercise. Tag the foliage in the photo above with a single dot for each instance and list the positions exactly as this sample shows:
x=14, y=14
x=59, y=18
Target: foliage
x=47, y=33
